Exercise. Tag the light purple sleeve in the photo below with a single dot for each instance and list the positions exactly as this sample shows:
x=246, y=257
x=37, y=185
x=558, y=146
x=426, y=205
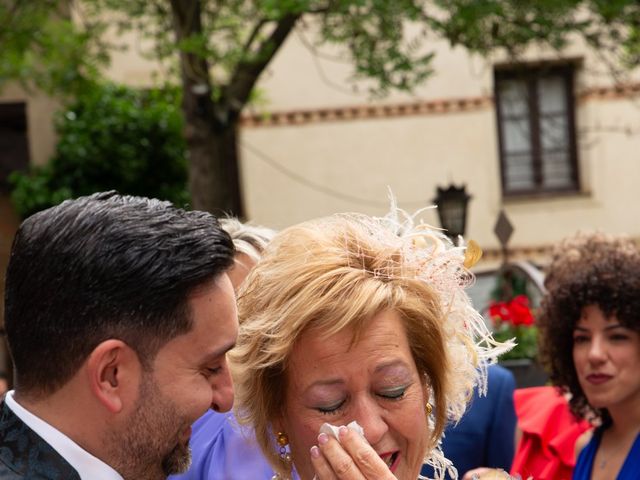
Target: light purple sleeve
x=222, y=450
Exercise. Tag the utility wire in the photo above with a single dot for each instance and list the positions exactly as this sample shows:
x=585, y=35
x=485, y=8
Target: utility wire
x=318, y=187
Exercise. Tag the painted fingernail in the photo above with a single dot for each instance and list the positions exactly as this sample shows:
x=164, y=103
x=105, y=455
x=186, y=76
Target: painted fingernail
x=343, y=431
x=322, y=438
x=315, y=452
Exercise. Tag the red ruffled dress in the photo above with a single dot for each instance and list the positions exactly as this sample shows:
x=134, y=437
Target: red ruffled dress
x=546, y=450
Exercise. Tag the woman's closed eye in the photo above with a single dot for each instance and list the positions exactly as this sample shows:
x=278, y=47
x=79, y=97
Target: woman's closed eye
x=332, y=408
x=394, y=393
x=390, y=394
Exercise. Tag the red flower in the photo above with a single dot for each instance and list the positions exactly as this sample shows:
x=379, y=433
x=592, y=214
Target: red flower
x=499, y=311
x=514, y=312
x=520, y=311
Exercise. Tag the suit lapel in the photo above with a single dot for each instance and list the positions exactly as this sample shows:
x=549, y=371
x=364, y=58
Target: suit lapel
x=27, y=454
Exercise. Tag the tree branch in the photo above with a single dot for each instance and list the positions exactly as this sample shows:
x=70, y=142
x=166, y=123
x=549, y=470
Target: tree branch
x=246, y=74
x=187, y=21
x=254, y=33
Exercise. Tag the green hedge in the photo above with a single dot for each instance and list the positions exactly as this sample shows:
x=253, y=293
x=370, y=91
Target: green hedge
x=111, y=138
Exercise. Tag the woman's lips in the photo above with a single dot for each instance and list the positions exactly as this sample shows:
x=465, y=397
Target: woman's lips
x=598, y=378
x=395, y=463
x=391, y=459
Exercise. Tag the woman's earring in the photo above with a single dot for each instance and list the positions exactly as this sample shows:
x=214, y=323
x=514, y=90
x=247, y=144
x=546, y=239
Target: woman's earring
x=283, y=441
x=428, y=408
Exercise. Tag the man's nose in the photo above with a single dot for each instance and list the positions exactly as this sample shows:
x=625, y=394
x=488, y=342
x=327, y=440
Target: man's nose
x=222, y=398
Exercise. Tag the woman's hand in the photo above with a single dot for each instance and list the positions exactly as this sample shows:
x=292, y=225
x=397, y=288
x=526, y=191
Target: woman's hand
x=351, y=458
x=486, y=473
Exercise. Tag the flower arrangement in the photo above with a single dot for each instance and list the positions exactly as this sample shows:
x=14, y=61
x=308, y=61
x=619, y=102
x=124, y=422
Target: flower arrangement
x=513, y=317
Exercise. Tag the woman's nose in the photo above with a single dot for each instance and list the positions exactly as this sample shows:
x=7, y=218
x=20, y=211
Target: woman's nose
x=370, y=417
x=597, y=350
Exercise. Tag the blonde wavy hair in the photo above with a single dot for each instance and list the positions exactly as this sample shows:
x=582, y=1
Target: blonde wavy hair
x=339, y=272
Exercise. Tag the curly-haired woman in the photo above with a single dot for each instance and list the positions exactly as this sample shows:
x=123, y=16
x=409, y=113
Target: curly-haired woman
x=590, y=343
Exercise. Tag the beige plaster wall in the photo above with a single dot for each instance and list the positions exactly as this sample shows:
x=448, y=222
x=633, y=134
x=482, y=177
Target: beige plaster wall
x=40, y=114
x=297, y=79
x=413, y=155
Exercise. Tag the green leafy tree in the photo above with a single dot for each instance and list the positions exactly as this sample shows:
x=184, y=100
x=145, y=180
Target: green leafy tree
x=111, y=138
x=222, y=46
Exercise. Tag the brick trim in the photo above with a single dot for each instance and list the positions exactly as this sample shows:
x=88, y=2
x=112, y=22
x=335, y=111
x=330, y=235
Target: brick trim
x=360, y=112
x=431, y=107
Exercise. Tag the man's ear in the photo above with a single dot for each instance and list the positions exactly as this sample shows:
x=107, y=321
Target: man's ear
x=113, y=370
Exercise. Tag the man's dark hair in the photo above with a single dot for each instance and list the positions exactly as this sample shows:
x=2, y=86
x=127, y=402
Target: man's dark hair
x=99, y=267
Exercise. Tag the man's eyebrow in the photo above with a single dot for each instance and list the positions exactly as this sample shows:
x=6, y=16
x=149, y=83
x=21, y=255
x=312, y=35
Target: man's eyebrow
x=218, y=352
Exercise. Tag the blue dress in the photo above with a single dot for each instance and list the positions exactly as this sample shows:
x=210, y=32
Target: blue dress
x=630, y=468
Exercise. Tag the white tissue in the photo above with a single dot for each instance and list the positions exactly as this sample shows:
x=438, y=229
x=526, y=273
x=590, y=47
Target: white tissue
x=332, y=430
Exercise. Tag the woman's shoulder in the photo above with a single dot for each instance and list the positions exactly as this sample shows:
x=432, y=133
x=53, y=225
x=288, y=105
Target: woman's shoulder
x=583, y=441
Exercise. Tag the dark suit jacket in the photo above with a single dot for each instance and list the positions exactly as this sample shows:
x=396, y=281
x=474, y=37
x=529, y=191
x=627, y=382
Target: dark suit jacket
x=25, y=455
x=485, y=436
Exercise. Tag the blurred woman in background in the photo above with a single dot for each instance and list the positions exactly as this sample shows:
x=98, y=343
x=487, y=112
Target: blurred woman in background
x=590, y=343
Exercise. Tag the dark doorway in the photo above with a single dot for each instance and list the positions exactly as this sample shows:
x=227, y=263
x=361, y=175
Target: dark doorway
x=14, y=144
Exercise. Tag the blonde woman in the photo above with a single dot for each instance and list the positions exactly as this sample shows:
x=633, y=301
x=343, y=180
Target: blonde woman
x=362, y=321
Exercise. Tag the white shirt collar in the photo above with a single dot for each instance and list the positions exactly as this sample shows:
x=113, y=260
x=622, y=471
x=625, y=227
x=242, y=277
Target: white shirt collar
x=87, y=466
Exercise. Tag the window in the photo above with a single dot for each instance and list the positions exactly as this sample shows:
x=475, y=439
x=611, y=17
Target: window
x=14, y=148
x=536, y=130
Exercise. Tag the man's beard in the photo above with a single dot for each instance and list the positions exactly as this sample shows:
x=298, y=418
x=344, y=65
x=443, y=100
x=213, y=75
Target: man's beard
x=150, y=447
x=178, y=460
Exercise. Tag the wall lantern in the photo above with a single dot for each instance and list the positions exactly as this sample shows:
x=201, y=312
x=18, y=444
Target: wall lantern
x=452, y=205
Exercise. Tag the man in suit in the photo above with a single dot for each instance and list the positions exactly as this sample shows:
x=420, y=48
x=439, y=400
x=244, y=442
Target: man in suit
x=119, y=315
x=485, y=436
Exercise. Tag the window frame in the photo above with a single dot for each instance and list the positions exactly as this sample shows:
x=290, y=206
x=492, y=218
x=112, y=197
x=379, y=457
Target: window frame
x=531, y=75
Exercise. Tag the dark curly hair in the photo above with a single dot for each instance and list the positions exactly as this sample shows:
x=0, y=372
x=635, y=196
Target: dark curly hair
x=588, y=269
